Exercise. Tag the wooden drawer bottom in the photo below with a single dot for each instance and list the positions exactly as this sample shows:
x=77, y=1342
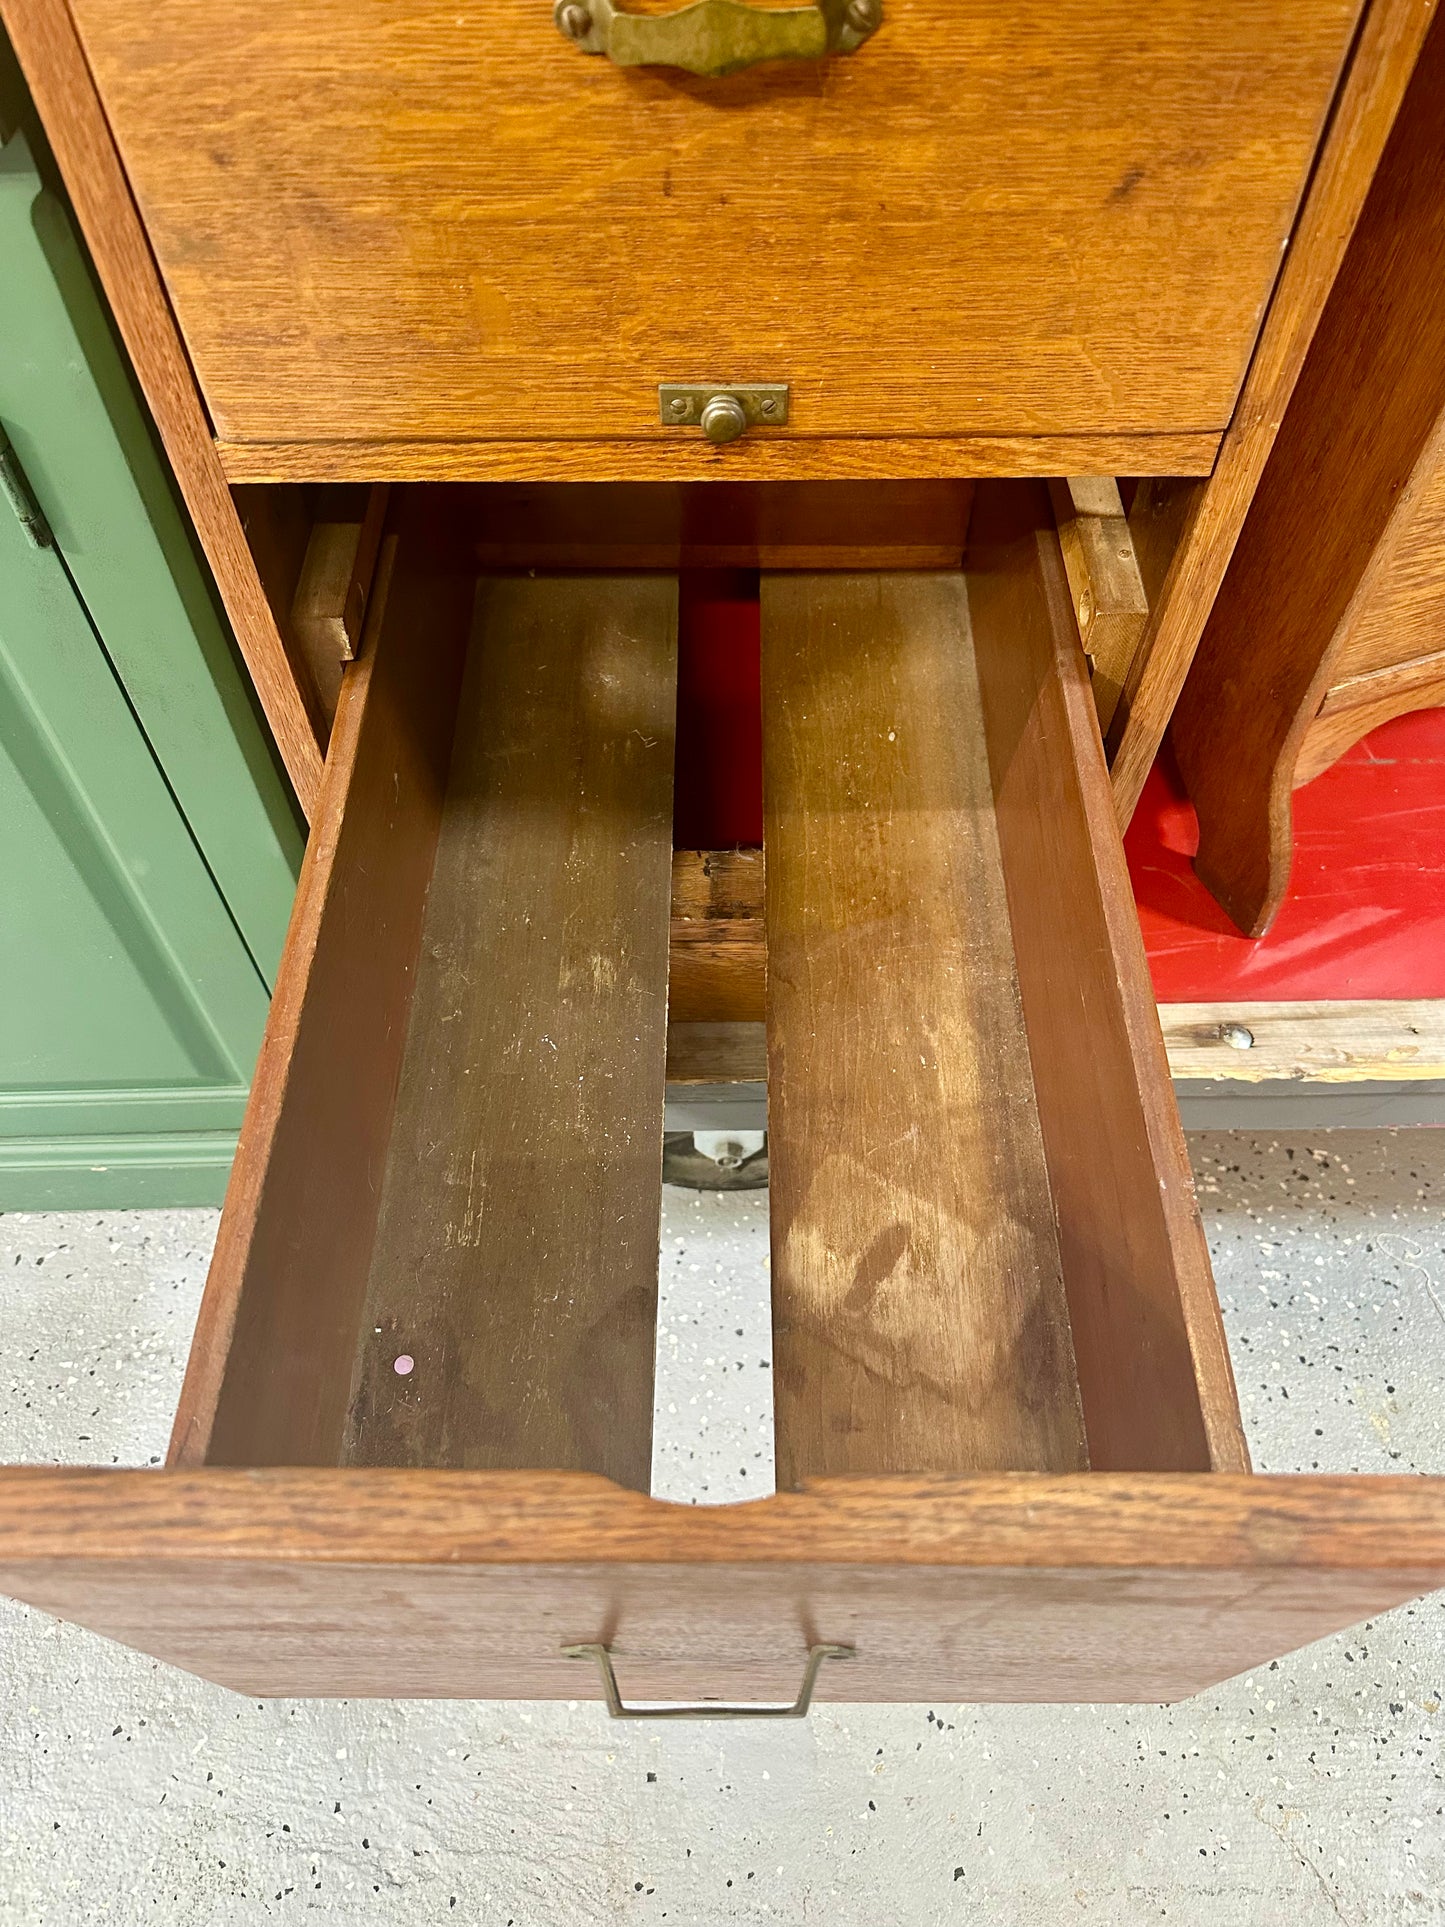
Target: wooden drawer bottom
x=421, y=1387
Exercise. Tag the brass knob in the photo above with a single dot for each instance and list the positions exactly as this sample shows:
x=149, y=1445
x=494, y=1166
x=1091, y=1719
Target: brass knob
x=723, y=419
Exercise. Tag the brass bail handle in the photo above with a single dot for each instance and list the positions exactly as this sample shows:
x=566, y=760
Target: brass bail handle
x=618, y=1708
x=715, y=37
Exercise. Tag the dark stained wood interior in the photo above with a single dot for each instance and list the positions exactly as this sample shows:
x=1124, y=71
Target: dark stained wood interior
x=516, y=1252
x=718, y=947
x=453, y=1155
x=1153, y=1369
x=270, y=1366
x=919, y=1315
x=720, y=525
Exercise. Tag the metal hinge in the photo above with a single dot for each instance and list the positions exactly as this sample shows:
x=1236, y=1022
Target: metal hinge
x=15, y=485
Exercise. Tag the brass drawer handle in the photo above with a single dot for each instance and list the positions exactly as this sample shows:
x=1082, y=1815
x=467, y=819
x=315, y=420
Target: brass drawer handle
x=714, y=37
x=706, y=1710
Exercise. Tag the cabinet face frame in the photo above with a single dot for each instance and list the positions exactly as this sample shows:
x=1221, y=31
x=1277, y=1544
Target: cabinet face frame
x=1373, y=83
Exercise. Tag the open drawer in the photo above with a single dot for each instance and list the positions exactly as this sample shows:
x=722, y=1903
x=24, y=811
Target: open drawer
x=413, y=1448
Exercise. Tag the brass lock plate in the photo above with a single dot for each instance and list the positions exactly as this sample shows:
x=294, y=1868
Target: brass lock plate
x=723, y=410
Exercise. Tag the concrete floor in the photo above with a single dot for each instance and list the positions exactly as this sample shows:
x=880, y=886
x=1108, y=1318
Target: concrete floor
x=1310, y=1792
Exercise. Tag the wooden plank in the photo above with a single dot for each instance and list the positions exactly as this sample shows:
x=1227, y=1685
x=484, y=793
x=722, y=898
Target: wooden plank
x=719, y=525
x=60, y=81
x=1356, y=457
x=517, y=1240
x=920, y=1322
x=328, y=609
x=1158, y=514
x=1318, y=1043
x=726, y=1053
x=1404, y=619
x=1392, y=681
x=1347, y=1042
x=270, y=1365
x=718, y=955
x=1149, y=1345
x=772, y=457
x=1353, y=709
x=466, y=1585
x=1374, y=84
x=1104, y=581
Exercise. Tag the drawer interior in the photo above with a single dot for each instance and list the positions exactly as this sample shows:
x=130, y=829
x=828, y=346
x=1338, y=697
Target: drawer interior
x=440, y=1248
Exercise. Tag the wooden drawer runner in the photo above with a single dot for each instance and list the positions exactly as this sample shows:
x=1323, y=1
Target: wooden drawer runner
x=1007, y=1433
x=405, y=225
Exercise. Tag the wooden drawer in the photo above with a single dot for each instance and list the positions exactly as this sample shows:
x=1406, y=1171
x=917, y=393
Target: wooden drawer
x=408, y=241
x=1008, y=1441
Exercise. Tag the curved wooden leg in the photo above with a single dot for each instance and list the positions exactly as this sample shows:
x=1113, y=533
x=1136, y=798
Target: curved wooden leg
x=1246, y=841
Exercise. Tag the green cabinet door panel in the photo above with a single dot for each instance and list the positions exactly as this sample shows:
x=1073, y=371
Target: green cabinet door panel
x=68, y=404
x=148, y=845
x=130, y=1004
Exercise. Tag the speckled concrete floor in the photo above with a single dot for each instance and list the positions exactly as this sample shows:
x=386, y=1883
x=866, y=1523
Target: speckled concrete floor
x=1311, y=1792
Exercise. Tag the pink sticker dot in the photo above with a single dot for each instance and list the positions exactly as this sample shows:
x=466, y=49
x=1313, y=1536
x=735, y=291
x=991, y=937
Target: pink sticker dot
x=403, y=1365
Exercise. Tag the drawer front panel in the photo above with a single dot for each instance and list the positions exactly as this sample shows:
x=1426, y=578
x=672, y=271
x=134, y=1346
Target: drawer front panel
x=469, y=1585
x=1044, y=217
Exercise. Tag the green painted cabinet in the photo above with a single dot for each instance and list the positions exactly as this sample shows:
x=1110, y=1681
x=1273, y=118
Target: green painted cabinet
x=148, y=844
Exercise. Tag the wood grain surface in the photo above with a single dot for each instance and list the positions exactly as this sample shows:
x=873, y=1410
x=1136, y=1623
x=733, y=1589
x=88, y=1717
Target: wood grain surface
x=1405, y=618
x=713, y=1053
x=676, y=457
x=1051, y=216
x=270, y=1365
x=1345, y=1042
x=1154, y=1373
x=1105, y=584
x=1353, y=475
x=1323, y=1043
x=718, y=953
x=455, y=1584
x=60, y=82
x=1351, y=710
x=719, y=524
x=919, y=1316
x=328, y=607
x=516, y=1244
x=1379, y=70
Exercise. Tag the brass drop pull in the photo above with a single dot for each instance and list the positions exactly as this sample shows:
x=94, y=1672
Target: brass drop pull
x=618, y=1708
x=715, y=37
